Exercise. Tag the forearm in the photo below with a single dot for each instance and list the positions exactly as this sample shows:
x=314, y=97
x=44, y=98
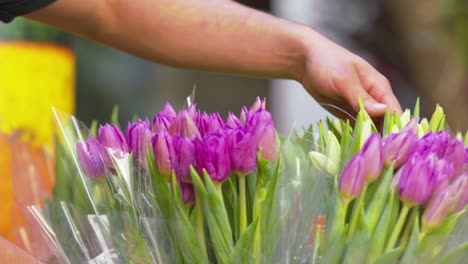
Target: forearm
x=211, y=35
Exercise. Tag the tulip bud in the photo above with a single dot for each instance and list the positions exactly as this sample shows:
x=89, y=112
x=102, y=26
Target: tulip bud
x=397, y=147
x=243, y=150
x=352, y=178
x=444, y=204
x=261, y=126
x=372, y=153
x=187, y=191
x=114, y=143
x=208, y=123
x=168, y=110
x=184, y=126
x=258, y=105
x=405, y=118
x=164, y=154
x=437, y=119
x=232, y=121
x=138, y=138
x=435, y=213
x=416, y=183
x=162, y=122
x=424, y=125
x=333, y=148
x=411, y=125
x=212, y=154
x=366, y=131
x=323, y=163
x=89, y=157
x=184, y=157
x=455, y=153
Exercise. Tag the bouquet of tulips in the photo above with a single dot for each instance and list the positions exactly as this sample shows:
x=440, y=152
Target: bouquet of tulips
x=192, y=188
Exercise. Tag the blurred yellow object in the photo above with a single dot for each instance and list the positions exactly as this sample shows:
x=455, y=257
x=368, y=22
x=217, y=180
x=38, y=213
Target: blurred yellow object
x=33, y=78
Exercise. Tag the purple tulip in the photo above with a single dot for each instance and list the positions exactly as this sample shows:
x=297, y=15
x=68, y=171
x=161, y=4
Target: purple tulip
x=114, y=143
x=139, y=139
x=412, y=125
x=352, y=178
x=168, y=110
x=261, y=125
x=212, y=154
x=164, y=154
x=184, y=157
x=455, y=153
x=258, y=105
x=444, y=203
x=433, y=143
x=192, y=111
x=243, y=150
x=89, y=157
x=110, y=136
x=187, y=192
x=416, y=182
x=232, y=122
x=184, y=126
x=463, y=201
x=244, y=115
x=162, y=122
x=372, y=153
x=436, y=211
x=208, y=123
x=397, y=147
x=442, y=173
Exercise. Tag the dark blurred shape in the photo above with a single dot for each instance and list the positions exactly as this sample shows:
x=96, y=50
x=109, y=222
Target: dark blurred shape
x=258, y=4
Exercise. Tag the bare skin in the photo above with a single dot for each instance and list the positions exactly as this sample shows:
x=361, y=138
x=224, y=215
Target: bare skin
x=224, y=36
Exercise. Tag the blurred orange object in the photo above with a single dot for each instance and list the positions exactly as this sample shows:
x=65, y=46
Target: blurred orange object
x=33, y=78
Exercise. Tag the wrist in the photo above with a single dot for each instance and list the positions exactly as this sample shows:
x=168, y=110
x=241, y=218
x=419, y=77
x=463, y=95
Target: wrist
x=302, y=38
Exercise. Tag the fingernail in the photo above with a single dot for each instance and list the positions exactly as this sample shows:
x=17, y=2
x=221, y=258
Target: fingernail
x=377, y=106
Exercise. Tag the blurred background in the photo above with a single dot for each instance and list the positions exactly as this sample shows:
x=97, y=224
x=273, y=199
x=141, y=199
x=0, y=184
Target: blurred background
x=420, y=45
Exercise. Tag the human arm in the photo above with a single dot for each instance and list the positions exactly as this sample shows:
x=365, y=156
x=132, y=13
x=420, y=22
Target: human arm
x=223, y=36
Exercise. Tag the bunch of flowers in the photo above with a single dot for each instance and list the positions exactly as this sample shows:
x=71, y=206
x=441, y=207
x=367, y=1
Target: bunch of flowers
x=190, y=187
x=400, y=195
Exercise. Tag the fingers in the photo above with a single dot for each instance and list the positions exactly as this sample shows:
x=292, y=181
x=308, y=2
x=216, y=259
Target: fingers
x=378, y=88
x=356, y=89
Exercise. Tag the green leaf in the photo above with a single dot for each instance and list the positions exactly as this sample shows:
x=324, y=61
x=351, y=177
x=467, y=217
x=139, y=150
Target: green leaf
x=437, y=119
x=334, y=250
x=331, y=126
x=216, y=217
x=388, y=124
x=410, y=255
x=242, y=252
x=115, y=116
x=433, y=242
x=186, y=236
x=416, y=108
x=390, y=257
x=94, y=127
x=380, y=199
x=358, y=247
x=458, y=254
x=269, y=215
x=379, y=238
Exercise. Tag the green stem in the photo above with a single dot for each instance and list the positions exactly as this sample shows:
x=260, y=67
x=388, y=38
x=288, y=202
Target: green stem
x=242, y=206
x=200, y=227
x=357, y=213
x=409, y=226
x=397, y=229
x=257, y=237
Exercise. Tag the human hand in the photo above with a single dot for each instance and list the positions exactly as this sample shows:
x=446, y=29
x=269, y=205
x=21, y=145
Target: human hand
x=336, y=78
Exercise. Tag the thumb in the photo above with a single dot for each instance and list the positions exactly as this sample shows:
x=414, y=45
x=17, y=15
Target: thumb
x=372, y=107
